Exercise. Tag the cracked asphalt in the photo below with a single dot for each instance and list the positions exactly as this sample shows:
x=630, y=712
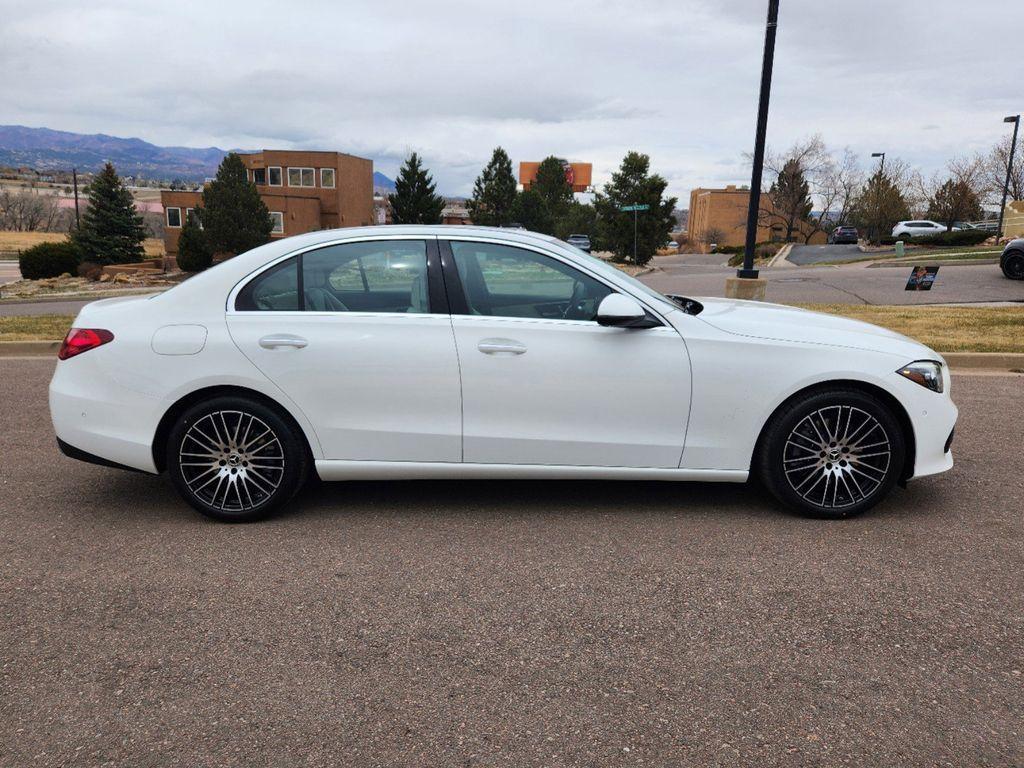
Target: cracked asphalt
x=510, y=624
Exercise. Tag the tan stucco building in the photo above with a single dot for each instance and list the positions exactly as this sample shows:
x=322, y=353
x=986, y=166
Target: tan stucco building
x=304, y=192
x=720, y=216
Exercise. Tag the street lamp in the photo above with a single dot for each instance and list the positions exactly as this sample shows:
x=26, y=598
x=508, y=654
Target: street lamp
x=754, y=206
x=1015, y=119
x=878, y=192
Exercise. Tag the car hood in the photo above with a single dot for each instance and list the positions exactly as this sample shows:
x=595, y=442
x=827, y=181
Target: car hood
x=782, y=323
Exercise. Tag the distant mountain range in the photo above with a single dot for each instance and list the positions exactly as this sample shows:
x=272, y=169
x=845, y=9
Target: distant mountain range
x=47, y=150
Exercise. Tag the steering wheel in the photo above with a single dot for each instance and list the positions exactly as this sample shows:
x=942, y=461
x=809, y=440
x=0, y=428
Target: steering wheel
x=578, y=292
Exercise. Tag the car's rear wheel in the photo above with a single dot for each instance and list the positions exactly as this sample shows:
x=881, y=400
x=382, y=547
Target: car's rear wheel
x=831, y=453
x=1013, y=265
x=235, y=459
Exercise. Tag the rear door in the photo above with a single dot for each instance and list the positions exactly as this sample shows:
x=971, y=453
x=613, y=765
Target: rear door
x=359, y=336
x=542, y=381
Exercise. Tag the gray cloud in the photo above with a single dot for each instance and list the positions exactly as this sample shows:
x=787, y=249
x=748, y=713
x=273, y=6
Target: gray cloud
x=584, y=80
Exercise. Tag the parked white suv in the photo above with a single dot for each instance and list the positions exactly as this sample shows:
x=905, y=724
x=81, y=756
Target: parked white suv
x=919, y=228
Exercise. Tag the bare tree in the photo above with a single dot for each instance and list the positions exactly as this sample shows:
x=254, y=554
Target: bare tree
x=993, y=171
x=835, y=188
x=27, y=211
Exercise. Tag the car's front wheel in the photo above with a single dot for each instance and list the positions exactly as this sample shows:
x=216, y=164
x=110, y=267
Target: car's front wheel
x=1013, y=265
x=831, y=453
x=235, y=459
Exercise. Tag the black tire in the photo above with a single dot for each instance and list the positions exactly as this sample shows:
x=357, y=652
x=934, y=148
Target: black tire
x=1012, y=264
x=841, y=441
x=235, y=459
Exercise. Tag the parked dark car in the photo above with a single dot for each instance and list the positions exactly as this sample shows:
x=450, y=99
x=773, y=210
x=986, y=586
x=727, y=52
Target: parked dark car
x=580, y=241
x=1012, y=260
x=843, y=235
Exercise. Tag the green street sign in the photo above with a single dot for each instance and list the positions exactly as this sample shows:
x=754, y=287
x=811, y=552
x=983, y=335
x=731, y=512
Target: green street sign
x=635, y=208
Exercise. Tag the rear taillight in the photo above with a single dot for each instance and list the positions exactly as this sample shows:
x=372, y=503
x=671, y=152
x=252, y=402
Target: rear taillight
x=81, y=340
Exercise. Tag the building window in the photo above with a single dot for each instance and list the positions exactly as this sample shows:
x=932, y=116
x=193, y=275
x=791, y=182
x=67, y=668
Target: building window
x=174, y=217
x=259, y=176
x=189, y=213
x=278, y=218
x=274, y=176
x=327, y=178
x=301, y=177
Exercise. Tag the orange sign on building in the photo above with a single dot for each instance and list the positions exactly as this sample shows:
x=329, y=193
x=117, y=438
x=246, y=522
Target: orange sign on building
x=578, y=175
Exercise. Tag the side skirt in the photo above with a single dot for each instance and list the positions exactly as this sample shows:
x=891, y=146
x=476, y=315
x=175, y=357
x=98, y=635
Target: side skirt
x=411, y=470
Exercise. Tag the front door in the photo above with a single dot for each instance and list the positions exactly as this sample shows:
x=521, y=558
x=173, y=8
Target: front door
x=542, y=382
x=358, y=335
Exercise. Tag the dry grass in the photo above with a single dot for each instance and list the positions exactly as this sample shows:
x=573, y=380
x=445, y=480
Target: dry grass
x=34, y=327
x=13, y=242
x=946, y=329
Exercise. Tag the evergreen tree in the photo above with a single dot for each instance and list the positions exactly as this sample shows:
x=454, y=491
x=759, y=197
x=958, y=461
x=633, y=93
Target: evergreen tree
x=878, y=206
x=529, y=212
x=233, y=215
x=633, y=184
x=790, y=197
x=194, y=251
x=414, y=200
x=579, y=218
x=494, y=192
x=954, y=201
x=553, y=187
x=111, y=231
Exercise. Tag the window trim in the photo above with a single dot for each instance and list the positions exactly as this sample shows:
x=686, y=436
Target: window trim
x=334, y=178
x=300, y=169
x=276, y=231
x=167, y=217
x=253, y=177
x=280, y=175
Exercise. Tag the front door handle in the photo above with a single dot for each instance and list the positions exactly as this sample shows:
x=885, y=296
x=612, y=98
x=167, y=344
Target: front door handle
x=282, y=340
x=501, y=347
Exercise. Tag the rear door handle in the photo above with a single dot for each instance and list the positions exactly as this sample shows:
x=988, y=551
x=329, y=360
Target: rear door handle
x=282, y=340
x=501, y=347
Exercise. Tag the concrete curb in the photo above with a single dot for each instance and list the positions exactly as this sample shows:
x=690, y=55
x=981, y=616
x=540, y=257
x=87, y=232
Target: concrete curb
x=958, y=361
x=781, y=259
x=934, y=263
x=50, y=298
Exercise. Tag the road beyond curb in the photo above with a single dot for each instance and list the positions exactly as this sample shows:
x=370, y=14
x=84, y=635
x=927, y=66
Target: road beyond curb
x=958, y=361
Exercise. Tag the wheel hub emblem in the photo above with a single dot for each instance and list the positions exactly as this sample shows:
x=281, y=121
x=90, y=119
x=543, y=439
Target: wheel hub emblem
x=234, y=459
x=833, y=455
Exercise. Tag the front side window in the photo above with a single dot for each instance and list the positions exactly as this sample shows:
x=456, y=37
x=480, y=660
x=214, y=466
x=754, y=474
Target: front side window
x=259, y=176
x=174, y=217
x=274, y=176
x=301, y=177
x=278, y=218
x=503, y=281
x=327, y=178
x=377, y=276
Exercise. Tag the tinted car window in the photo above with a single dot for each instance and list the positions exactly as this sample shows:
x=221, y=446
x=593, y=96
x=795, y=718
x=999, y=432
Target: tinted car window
x=379, y=276
x=503, y=281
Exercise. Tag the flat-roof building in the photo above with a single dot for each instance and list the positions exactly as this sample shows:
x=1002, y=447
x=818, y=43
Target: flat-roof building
x=303, y=190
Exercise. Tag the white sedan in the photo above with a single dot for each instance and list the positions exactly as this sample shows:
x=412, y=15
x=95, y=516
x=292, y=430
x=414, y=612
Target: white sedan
x=392, y=353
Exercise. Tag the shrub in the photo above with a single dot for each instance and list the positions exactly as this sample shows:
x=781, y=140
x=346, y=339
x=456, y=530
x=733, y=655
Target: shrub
x=48, y=260
x=194, y=251
x=90, y=270
x=964, y=237
x=761, y=251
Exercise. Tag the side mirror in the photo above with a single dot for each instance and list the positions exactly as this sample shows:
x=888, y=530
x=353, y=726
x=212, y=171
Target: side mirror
x=619, y=311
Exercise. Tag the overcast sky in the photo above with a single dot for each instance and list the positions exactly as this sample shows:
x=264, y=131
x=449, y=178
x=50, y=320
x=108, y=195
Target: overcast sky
x=588, y=81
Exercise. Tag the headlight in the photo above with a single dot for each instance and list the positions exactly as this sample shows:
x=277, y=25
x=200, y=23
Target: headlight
x=927, y=373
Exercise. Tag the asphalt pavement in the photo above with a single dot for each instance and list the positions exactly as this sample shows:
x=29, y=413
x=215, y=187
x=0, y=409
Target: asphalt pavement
x=510, y=624
x=815, y=254
x=704, y=275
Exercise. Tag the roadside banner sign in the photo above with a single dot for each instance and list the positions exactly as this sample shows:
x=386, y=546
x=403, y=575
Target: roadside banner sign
x=922, y=278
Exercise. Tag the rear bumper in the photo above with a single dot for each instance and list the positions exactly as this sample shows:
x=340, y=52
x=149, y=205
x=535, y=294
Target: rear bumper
x=77, y=453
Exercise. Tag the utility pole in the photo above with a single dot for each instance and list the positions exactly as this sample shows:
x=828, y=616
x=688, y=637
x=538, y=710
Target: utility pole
x=74, y=177
x=878, y=193
x=1015, y=119
x=753, y=209
x=635, y=214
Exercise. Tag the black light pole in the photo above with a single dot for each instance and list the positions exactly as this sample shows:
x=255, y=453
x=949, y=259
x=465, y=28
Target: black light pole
x=1015, y=119
x=753, y=210
x=878, y=191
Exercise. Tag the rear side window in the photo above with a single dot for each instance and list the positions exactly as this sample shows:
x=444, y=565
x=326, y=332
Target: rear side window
x=276, y=290
x=375, y=276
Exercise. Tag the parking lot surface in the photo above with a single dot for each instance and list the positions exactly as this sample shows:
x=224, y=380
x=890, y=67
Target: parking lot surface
x=512, y=624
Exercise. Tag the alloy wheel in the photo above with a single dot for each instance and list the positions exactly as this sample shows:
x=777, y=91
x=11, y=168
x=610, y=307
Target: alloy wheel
x=837, y=456
x=231, y=460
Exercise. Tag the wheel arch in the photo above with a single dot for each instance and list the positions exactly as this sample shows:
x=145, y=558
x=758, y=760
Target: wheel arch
x=167, y=421
x=887, y=398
